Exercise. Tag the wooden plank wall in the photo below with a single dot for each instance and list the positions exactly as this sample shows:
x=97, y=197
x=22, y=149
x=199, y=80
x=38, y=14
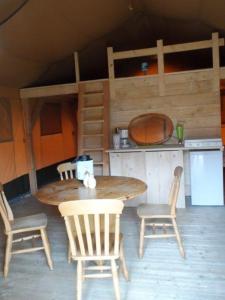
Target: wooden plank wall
x=189, y=97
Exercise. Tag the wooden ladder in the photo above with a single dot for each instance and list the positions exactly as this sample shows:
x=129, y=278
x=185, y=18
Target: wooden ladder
x=93, y=123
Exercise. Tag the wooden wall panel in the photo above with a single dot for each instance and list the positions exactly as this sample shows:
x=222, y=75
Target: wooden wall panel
x=188, y=98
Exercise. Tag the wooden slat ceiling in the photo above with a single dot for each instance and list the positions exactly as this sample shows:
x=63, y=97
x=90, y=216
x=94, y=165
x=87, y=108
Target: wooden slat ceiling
x=37, y=42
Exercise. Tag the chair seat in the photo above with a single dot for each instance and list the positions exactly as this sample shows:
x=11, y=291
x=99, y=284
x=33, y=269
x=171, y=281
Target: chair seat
x=148, y=210
x=33, y=221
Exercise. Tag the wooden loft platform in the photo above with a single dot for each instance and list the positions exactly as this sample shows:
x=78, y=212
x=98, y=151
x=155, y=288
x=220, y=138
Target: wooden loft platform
x=159, y=51
x=72, y=88
x=48, y=91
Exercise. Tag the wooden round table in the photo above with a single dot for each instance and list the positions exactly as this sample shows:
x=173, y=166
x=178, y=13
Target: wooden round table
x=108, y=187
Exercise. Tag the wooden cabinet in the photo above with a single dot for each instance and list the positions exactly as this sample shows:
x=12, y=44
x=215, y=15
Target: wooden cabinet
x=153, y=167
x=160, y=166
x=130, y=164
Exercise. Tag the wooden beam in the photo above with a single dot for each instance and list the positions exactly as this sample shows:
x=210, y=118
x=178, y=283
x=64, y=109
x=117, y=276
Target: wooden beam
x=50, y=90
x=80, y=118
x=190, y=46
x=160, y=67
x=110, y=63
x=166, y=49
x=135, y=53
x=29, y=146
x=106, y=133
x=222, y=73
x=216, y=61
x=77, y=68
x=111, y=71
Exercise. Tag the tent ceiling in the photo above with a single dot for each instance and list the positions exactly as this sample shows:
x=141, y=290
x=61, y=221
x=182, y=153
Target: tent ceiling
x=37, y=42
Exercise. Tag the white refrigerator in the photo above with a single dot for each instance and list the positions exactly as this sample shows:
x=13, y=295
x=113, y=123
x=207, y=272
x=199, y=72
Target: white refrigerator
x=206, y=177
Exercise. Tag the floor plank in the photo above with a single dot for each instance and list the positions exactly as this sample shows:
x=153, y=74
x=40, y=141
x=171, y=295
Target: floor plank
x=161, y=275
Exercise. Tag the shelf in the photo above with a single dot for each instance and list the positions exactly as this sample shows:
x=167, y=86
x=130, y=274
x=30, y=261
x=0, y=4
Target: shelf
x=100, y=163
x=97, y=93
x=93, y=107
x=93, y=149
x=93, y=135
x=92, y=121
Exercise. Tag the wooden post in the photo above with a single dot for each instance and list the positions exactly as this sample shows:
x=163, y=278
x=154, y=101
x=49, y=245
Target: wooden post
x=106, y=128
x=111, y=72
x=29, y=146
x=80, y=118
x=216, y=61
x=110, y=63
x=77, y=68
x=161, y=83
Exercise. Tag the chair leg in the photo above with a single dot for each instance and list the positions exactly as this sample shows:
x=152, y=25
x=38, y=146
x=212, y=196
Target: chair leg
x=141, y=243
x=8, y=254
x=69, y=254
x=79, y=280
x=123, y=262
x=83, y=270
x=46, y=247
x=115, y=279
x=181, y=249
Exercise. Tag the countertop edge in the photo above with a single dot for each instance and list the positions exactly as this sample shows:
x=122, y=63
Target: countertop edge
x=164, y=148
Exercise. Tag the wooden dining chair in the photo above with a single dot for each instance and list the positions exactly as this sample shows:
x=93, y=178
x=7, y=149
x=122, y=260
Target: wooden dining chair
x=161, y=216
x=34, y=223
x=93, y=229
x=66, y=170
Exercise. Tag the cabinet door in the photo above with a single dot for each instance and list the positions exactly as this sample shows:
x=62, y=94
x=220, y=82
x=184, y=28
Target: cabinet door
x=130, y=164
x=160, y=167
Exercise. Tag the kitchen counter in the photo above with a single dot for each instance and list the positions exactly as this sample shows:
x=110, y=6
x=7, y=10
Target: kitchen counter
x=164, y=147
x=155, y=165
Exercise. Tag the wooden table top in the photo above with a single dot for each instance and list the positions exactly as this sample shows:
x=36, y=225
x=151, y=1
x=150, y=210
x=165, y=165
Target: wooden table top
x=108, y=187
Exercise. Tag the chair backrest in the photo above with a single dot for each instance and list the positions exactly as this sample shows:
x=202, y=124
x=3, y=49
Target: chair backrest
x=66, y=170
x=175, y=187
x=5, y=210
x=93, y=227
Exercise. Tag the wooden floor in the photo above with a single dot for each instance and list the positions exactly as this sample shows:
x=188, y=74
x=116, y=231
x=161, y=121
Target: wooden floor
x=161, y=275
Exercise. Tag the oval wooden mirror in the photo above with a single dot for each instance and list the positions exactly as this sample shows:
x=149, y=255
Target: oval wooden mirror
x=150, y=129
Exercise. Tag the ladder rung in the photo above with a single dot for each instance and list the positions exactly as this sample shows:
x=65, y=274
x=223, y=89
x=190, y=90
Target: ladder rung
x=93, y=149
x=93, y=121
x=93, y=135
x=93, y=107
x=98, y=163
x=93, y=93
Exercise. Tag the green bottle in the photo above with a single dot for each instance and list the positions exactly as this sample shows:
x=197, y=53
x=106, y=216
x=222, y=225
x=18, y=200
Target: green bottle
x=180, y=133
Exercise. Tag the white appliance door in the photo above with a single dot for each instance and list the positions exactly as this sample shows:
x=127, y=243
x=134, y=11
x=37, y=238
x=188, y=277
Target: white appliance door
x=206, y=177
